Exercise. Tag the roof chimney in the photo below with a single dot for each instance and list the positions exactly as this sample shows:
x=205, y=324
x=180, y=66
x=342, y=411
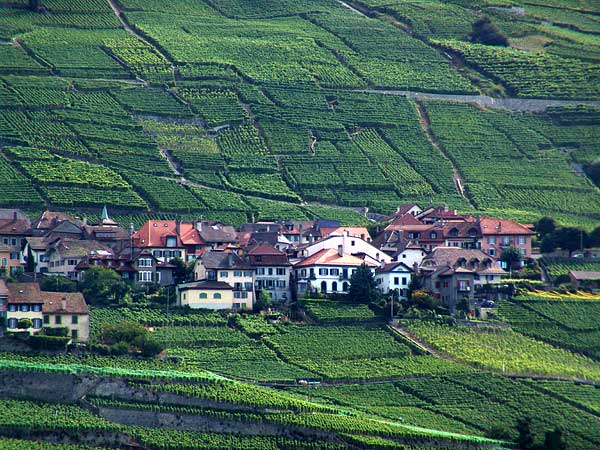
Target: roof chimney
x=340, y=250
x=177, y=226
x=15, y=215
x=229, y=260
x=63, y=304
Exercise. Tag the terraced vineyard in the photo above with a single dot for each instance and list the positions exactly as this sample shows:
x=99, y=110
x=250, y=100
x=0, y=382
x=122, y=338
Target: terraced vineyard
x=271, y=107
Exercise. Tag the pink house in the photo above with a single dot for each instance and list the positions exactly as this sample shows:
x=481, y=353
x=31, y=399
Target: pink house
x=499, y=234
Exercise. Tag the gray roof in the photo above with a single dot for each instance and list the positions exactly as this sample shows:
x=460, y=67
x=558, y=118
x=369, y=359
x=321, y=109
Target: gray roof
x=222, y=260
x=206, y=284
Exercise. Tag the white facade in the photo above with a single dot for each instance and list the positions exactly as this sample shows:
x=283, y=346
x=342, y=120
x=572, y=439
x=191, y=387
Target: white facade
x=389, y=279
x=327, y=279
x=349, y=245
x=411, y=256
x=275, y=280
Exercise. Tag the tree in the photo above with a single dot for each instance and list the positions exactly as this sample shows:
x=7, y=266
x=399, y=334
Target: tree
x=263, y=301
x=24, y=324
x=30, y=260
x=101, y=286
x=485, y=32
x=594, y=237
x=180, y=273
x=525, y=435
x=555, y=440
x=548, y=244
x=57, y=284
x=423, y=299
x=545, y=226
x=362, y=286
x=510, y=256
x=571, y=238
x=593, y=171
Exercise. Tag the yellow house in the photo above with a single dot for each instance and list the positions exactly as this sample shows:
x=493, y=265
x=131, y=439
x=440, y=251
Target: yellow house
x=47, y=309
x=229, y=268
x=208, y=294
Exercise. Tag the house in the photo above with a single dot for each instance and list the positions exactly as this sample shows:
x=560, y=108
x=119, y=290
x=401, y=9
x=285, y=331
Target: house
x=327, y=270
x=451, y=273
x=15, y=226
x=586, y=279
x=65, y=254
x=410, y=253
x=393, y=276
x=462, y=234
x=440, y=214
x=215, y=234
x=499, y=234
x=355, y=232
x=208, y=294
x=411, y=209
x=351, y=245
x=162, y=238
x=272, y=271
x=47, y=309
x=37, y=248
x=47, y=221
x=108, y=232
x=230, y=268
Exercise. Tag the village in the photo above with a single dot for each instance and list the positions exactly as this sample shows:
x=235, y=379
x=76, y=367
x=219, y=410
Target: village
x=462, y=261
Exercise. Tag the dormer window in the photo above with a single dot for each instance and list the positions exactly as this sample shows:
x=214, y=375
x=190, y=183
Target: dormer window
x=433, y=235
x=171, y=241
x=473, y=232
x=453, y=232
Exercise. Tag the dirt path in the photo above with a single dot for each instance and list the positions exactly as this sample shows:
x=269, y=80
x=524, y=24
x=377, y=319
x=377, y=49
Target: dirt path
x=512, y=104
x=354, y=10
x=459, y=181
x=172, y=163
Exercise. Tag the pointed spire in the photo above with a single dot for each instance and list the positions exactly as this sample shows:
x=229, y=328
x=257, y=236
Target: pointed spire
x=104, y=213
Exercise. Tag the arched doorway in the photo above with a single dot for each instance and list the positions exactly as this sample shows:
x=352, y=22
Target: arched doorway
x=323, y=287
x=334, y=286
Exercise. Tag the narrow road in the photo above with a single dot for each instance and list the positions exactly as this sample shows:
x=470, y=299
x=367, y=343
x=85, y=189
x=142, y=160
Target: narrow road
x=459, y=181
x=513, y=104
x=354, y=10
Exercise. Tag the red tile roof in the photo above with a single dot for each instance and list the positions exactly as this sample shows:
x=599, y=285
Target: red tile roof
x=154, y=234
x=52, y=302
x=330, y=257
x=502, y=227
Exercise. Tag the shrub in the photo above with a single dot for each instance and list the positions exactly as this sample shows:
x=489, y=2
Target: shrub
x=42, y=342
x=485, y=32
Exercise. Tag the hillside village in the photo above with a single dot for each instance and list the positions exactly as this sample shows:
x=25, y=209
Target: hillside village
x=211, y=265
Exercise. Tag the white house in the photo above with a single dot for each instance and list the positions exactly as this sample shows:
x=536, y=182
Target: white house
x=410, y=253
x=271, y=271
x=327, y=271
x=396, y=275
x=349, y=245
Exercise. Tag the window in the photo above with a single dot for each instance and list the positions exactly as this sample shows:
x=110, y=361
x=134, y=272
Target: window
x=248, y=286
x=334, y=272
x=71, y=262
x=323, y=286
x=158, y=276
x=433, y=235
x=270, y=270
x=145, y=262
x=281, y=283
x=260, y=271
x=396, y=280
x=334, y=287
x=258, y=258
x=505, y=240
x=46, y=319
x=281, y=271
x=14, y=255
x=236, y=305
x=303, y=273
x=13, y=241
x=224, y=274
x=217, y=295
x=404, y=281
x=37, y=323
x=5, y=241
x=74, y=320
x=12, y=323
x=437, y=284
x=463, y=285
x=74, y=334
x=237, y=273
x=171, y=241
x=323, y=272
x=521, y=240
x=454, y=232
x=491, y=239
x=492, y=251
x=248, y=273
x=404, y=255
x=145, y=276
x=24, y=308
x=4, y=262
x=158, y=253
x=12, y=307
x=203, y=295
x=58, y=320
x=353, y=243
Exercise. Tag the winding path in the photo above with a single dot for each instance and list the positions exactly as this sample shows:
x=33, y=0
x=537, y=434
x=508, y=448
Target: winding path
x=513, y=104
